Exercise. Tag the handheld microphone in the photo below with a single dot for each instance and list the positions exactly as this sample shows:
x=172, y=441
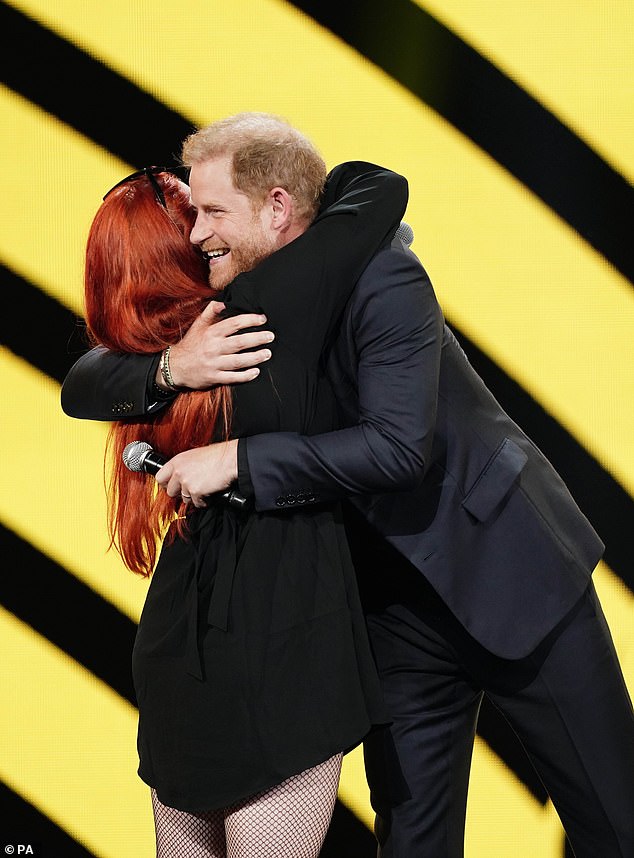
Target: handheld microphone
x=139, y=456
x=405, y=233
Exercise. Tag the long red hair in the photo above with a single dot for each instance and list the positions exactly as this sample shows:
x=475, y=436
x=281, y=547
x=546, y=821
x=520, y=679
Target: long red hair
x=144, y=286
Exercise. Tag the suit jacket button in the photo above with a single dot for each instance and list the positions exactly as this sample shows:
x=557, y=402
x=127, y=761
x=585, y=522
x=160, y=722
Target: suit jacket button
x=280, y=501
x=291, y=499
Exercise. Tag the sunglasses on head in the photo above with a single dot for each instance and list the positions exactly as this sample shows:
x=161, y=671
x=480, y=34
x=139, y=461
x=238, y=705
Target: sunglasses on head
x=151, y=172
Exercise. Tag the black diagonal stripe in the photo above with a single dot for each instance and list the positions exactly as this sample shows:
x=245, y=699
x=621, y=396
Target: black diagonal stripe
x=38, y=328
x=86, y=94
x=347, y=836
x=68, y=613
x=494, y=112
x=605, y=502
x=405, y=41
x=23, y=824
x=495, y=730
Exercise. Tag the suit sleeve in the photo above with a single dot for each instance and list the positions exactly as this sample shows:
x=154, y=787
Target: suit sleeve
x=106, y=385
x=397, y=327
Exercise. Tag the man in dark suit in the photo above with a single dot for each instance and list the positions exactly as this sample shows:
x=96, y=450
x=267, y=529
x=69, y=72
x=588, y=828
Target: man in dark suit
x=473, y=559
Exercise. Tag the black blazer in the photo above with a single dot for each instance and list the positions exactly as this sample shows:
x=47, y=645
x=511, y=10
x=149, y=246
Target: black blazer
x=480, y=512
x=429, y=458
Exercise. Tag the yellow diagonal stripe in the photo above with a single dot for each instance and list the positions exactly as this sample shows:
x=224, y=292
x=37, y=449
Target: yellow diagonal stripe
x=502, y=818
x=618, y=604
x=541, y=303
x=55, y=184
x=577, y=59
x=51, y=485
x=67, y=746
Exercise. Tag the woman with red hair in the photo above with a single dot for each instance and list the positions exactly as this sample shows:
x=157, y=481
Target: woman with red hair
x=252, y=667
x=145, y=283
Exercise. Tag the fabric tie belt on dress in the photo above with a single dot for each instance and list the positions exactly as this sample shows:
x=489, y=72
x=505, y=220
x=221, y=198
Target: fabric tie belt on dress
x=214, y=534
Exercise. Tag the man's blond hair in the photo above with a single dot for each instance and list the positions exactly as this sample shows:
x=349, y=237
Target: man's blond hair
x=267, y=152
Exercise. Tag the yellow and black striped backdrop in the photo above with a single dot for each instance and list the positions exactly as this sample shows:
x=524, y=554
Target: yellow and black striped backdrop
x=513, y=121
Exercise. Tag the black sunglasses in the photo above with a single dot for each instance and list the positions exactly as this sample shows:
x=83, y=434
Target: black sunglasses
x=150, y=172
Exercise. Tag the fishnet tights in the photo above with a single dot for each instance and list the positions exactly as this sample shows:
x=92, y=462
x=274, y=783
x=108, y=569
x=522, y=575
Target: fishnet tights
x=288, y=821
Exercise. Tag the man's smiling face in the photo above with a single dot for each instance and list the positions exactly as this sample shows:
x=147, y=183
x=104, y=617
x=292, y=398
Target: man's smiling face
x=228, y=229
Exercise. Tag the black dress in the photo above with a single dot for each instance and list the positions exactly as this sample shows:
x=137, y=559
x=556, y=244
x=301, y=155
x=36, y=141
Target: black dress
x=251, y=662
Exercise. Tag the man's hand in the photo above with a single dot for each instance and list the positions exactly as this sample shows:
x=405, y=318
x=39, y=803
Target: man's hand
x=211, y=352
x=199, y=472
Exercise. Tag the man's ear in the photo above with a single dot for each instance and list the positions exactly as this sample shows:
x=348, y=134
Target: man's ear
x=281, y=208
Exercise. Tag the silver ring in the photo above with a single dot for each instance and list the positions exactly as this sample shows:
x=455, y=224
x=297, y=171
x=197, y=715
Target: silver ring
x=186, y=497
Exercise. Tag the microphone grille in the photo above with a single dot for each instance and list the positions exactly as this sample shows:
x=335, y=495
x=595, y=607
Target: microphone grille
x=134, y=453
x=405, y=233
